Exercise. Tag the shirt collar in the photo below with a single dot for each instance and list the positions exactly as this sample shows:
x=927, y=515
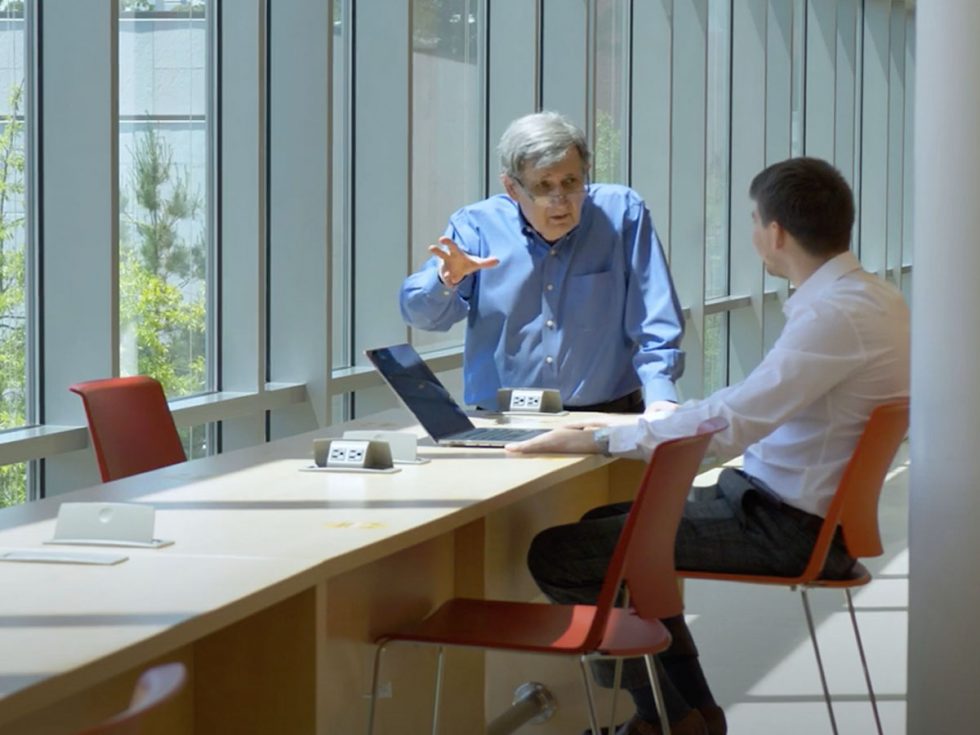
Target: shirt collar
x=831, y=271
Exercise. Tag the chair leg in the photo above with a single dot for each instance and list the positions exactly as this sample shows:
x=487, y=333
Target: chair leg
x=435, y=704
x=589, y=700
x=374, y=685
x=816, y=650
x=624, y=602
x=864, y=660
x=617, y=680
x=658, y=696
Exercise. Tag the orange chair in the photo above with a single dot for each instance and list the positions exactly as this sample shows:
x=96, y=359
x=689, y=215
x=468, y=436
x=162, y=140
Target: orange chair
x=131, y=426
x=155, y=688
x=643, y=560
x=855, y=508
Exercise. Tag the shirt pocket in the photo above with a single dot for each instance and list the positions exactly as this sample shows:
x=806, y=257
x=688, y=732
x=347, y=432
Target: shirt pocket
x=588, y=300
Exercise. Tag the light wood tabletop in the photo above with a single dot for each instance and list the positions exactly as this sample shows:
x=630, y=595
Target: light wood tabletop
x=258, y=541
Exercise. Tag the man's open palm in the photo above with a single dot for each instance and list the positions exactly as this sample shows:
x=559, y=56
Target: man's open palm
x=456, y=264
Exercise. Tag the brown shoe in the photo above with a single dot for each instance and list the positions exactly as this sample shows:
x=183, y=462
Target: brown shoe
x=691, y=724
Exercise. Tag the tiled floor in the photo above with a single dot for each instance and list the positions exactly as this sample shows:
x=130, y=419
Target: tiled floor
x=757, y=654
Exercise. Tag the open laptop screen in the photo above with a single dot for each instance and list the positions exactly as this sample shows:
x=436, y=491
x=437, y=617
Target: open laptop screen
x=420, y=390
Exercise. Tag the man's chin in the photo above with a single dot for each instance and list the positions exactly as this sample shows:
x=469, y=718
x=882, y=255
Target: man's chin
x=558, y=230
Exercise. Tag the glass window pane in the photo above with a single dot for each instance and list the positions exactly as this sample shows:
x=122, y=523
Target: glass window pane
x=163, y=192
x=715, y=352
x=611, y=93
x=14, y=261
x=340, y=272
x=717, y=150
x=447, y=127
x=196, y=440
x=799, y=76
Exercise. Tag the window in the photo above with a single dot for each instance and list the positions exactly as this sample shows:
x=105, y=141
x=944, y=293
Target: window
x=447, y=127
x=341, y=266
x=717, y=182
x=164, y=196
x=14, y=261
x=611, y=92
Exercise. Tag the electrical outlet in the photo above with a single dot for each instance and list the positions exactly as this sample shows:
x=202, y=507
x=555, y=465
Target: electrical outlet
x=525, y=400
x=350, y=453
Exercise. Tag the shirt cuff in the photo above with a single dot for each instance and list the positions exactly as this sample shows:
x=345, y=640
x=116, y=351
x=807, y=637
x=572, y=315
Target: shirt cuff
x=659, y=389
x=624, y=441
x=435, y=289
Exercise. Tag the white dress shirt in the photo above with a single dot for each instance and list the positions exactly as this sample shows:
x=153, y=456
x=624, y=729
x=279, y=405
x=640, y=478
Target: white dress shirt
x=797, y=417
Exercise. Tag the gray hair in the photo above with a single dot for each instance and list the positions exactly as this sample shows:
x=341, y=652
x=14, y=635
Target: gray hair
x=539, y=140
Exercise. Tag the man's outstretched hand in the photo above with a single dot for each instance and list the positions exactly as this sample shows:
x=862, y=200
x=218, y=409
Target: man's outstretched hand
x=456, y=264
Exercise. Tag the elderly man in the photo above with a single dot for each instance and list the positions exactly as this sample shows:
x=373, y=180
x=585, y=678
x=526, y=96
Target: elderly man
x=797, y=417
x=563, y=283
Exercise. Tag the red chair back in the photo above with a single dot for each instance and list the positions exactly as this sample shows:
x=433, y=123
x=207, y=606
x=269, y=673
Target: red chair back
x=867, y=469
x=855, y=503
x=130, y=424
x=154, y=688
x=644, y=555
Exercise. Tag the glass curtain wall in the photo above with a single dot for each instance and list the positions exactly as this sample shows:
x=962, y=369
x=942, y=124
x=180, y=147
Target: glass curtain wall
x=164, y=197
x=611, y=135
x=717, y=188
x=448, y=129
x=14, y=260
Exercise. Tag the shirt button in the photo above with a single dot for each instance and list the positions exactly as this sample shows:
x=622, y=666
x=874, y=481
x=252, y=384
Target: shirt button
x=552, y=252
x=445, y=293
x=549, y=287
x=549, y=359
x=550, y=323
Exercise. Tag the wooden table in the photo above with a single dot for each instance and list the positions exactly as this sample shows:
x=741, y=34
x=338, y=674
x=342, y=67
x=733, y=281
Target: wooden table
x=278, y=582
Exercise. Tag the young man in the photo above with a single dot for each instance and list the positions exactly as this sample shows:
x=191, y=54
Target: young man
x=796, y=418
x=563, y=283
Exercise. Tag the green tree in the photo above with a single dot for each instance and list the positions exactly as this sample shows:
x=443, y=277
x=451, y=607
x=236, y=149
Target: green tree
x=161, y=276
x=13, y=316
x=162, y=309
x=608, y=148
x=12, y=8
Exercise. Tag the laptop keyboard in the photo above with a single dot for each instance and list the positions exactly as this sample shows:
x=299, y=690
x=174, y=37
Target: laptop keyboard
x=498, y=435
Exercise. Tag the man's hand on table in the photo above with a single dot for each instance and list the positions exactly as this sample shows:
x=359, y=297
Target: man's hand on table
x=577, y=438
x=559, y=441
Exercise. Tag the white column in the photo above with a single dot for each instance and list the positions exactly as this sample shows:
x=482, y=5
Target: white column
x=944, y=542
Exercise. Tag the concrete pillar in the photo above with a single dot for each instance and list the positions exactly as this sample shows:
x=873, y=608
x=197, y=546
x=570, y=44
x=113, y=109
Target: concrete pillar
x=944, y=525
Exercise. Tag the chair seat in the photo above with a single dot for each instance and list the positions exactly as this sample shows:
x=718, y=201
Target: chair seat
x=858, y=576
x=535, y=627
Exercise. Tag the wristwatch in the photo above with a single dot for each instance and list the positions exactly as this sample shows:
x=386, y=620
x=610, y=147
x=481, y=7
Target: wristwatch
x=601, y=439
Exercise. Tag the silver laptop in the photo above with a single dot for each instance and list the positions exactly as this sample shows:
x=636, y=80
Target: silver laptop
x=420, y=390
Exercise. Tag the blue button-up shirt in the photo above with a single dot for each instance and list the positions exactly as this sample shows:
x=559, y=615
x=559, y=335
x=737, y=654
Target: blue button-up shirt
x=594, y=314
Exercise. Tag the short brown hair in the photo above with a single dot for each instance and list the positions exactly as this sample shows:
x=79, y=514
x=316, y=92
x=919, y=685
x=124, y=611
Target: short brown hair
x=808, y=198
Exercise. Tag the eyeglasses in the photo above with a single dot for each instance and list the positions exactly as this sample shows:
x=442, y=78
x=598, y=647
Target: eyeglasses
x=545, y=192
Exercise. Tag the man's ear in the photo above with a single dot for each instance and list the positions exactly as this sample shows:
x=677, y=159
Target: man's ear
x=509, y=186
x=779, y=234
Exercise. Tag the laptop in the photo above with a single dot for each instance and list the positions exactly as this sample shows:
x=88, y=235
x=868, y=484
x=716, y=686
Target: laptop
x=420, y=390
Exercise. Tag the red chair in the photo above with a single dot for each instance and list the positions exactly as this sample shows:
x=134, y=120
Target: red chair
x=855, y=508
x=131, y=426
x=643, y=560
x=155, y=687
